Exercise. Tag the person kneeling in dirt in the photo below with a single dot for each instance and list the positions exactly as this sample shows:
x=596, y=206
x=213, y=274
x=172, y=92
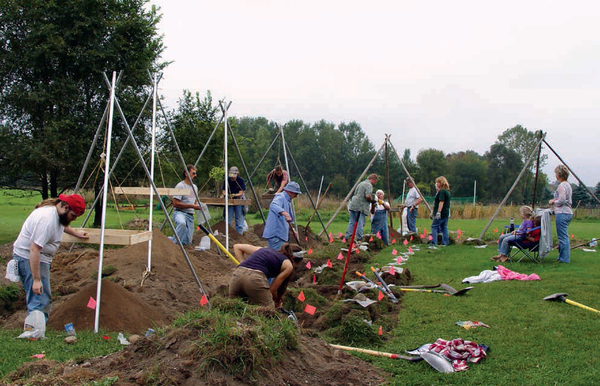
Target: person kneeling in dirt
x=37, y=242
x=277, y=230
x=249, y=279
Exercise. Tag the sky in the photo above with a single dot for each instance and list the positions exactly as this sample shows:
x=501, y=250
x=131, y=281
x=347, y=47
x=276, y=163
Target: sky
x=449, y=75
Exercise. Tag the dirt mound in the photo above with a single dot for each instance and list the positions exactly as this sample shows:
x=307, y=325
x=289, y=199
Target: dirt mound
x=120, y=310
x=314, y=362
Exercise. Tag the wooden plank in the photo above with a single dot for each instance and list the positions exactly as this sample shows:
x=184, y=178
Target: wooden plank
x=111, y=236
x=221, y=201
x=143, y=191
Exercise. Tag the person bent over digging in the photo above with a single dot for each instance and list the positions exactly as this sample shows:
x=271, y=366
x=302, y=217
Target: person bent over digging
x=517, y=235
x=250, y=278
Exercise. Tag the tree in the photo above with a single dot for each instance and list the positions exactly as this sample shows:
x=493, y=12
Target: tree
x=464, y=168
x=522, y=141
x=504, y=165
x=581, y=197
x=597, y=194
x=52, y=56
x=431, y=163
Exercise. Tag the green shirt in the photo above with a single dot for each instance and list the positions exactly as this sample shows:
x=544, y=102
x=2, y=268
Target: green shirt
x=359, y=203
x=442, y=195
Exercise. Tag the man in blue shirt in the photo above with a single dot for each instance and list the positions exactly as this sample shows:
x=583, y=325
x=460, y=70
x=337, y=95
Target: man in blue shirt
x=235, y=188
x=277, y=230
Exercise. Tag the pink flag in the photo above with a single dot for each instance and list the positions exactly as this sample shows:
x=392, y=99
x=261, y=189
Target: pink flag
x=204, y=300
x=394, y=252
x=91, y=303
x=331, y=240
x=430, y=237
x=410, y=237
x=306, y=239
x=314, y=279
x=308, y=265
x=310, y=309
x=392, y=271
x=357, y=251
x=329, y=263
x=495, y=230
x=378, y=234
x=340, y=256
x=310, y=251
x=38, y=356
x=330, y=235
x=380, y=296
x=393, y=241
x=422, y=236
x=380, y=330
x=371, y=239
x=405, y=242
x=198, y=229
x=301, y=296
x=344, y=240
x=410, y=250
x=340, y=234
x=572, y=236
x=399, y=260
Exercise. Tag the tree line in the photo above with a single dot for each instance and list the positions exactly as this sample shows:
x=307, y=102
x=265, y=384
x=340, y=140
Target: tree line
x=52, y=59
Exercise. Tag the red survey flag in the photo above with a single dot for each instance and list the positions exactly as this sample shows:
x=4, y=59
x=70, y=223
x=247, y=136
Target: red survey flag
x=380, y=296
x=405, y=242
x=106, y=337
x=422, y=236
x=393, y=241
x=91, y=303
x=572, y=236
x=310, y=251
x=394, y=252
x=329, y=263
x=392, y=271
x=308, y=265
x=344, y=240
x=204, y=300
x=410, y=237
x=378, y=235
x=380, y=330
x=399, y=260
x=371, y=239
x=340, y=235
x=410, y=250
x=331, y=239
x=306, y=239
x=340, y=256
x=38, y=356
x=314, y=278
x=301, y=296
x=495, y=230
x=198, y=229
x=310, y=309
x=330, y=235
x=430, y=237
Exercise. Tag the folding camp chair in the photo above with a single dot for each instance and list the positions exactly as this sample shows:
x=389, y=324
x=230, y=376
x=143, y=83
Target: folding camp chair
x=525, y=249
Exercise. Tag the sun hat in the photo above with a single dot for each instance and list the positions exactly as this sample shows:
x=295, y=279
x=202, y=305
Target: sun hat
x=293, y=187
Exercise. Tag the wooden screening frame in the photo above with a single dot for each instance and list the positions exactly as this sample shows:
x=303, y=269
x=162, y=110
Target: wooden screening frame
x=111, y=236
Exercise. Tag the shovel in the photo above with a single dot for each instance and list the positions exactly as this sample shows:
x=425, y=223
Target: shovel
x=379, y=353
x=561, y=297
x=388, y=292
x=448, y=290
x=381, y=288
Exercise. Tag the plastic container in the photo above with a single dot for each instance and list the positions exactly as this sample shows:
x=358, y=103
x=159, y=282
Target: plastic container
x=204, y=243
x=512, y=225
x=70, y=329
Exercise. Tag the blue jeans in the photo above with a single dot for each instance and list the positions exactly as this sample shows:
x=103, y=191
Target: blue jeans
x=440, y=226
x=35, y=302
x=379, y=224
x=562, y=232
x=184, y=227
x=276, y=243
x=503, y=245
x=411, y=219
x=238, y=211
x=354, y=216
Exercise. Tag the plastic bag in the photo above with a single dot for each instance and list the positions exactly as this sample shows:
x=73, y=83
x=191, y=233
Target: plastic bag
x=12, y=271
x=35, y=326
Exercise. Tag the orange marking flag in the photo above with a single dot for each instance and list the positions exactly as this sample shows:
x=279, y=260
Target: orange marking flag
x=340, y=256
x=329, y=263
x=301, y=296
x=308, y=265
x=91, y=303
x=380, y=296
x=310, y=309
x=204, y=300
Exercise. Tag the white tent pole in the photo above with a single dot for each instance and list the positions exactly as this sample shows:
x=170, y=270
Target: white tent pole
x=152, y=148
x=224, y=108
x=104, y=197
x=287, y=167
x=474, y=191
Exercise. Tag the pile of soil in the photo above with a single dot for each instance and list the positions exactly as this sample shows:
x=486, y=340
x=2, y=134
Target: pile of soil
x=119, y=309
x=314, y=363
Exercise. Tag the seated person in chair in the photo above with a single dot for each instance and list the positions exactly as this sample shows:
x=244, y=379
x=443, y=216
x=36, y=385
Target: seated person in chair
x=503, y=243
x=532, y=237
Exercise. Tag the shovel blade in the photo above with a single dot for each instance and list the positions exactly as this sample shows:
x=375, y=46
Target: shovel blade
x=559, y=297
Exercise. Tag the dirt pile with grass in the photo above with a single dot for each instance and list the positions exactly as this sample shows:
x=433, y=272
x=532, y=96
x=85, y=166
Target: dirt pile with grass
x=231, y=344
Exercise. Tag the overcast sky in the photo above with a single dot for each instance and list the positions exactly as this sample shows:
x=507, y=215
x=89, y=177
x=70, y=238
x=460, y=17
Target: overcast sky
x=450, y=75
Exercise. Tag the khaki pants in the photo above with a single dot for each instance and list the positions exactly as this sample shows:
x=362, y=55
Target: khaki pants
x=252, y=285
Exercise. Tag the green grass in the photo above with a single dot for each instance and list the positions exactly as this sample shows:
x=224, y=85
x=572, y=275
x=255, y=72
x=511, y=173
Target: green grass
x=532, y=342
x=14, y=352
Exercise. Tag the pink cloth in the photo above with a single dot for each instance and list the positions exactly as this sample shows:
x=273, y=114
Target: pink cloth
x=507, y=274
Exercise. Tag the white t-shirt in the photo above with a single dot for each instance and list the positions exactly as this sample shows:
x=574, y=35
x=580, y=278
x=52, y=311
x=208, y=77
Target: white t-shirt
x=187, y=199
x=43, y=228
x=412, y=197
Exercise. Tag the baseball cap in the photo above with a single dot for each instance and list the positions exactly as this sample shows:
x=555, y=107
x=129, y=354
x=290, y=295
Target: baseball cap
x=233, y=171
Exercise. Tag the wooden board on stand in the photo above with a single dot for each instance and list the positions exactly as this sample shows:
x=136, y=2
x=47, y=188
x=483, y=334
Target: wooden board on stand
x=221, y=201
x=111, y=236
x=145, y=191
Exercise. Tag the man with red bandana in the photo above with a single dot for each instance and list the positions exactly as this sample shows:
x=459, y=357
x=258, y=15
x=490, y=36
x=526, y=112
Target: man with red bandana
x=39, y=239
